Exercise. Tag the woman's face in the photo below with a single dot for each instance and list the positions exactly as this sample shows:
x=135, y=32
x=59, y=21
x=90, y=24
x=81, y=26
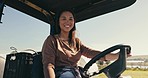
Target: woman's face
x=66, y=21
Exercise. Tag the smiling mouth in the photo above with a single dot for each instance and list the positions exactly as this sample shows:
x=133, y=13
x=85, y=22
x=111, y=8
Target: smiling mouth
x=67, y=26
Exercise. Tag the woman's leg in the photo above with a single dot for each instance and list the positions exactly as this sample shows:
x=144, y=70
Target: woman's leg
x=67, y=74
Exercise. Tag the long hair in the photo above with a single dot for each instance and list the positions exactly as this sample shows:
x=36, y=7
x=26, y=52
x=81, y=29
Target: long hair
x=58, y=29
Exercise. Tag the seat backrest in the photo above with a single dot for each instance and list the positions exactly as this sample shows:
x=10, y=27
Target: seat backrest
x=37, y=67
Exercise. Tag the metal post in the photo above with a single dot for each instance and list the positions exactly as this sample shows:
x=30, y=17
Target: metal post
x=1, y=9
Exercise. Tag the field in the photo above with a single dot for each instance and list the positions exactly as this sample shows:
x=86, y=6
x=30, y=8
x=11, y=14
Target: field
x=136, y=73
x=139, y=72
x=132, y=73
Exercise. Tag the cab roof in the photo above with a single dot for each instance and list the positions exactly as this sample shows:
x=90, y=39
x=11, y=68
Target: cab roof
x=44, y=10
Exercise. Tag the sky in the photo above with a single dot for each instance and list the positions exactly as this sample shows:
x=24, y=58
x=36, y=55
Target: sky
x=126, y=26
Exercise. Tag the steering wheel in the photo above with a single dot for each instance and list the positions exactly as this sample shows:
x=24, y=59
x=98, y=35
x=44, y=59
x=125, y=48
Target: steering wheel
x=115, y=69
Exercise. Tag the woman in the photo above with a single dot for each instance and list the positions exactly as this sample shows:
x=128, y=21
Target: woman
x=62, y=51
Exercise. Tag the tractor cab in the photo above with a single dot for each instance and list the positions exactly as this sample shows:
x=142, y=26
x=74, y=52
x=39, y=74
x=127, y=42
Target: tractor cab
x=45, y=11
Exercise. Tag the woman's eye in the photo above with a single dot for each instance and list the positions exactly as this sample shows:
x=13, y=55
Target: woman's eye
x=70, y=19
x=64, y=19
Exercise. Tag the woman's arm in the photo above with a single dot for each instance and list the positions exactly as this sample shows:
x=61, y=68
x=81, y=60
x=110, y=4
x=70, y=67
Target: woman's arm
x=49, y=71
x=90, y=53
x=114, y=56
x=48, y=57
x=111, y=56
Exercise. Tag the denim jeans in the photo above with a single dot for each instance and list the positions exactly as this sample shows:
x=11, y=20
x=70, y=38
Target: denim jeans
x=67, y=74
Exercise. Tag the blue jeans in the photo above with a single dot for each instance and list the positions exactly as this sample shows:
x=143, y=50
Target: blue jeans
x=67, y=74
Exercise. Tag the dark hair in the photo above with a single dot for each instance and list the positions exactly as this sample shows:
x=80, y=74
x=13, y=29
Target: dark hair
x=57, y=27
